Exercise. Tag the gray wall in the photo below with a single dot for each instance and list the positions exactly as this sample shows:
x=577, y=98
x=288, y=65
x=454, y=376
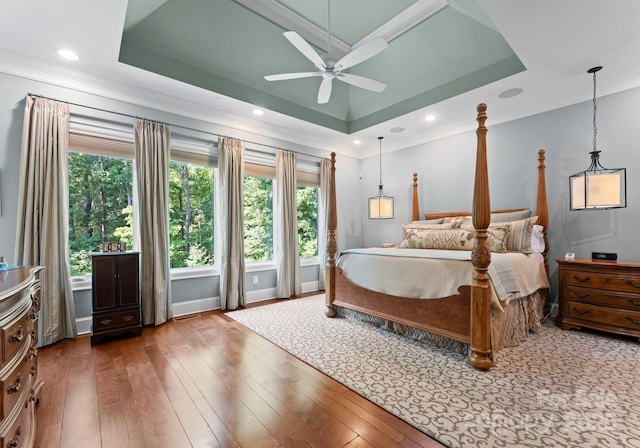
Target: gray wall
x=446, y=168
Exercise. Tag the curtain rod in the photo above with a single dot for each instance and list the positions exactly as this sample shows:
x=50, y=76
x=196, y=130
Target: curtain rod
x=35, y=95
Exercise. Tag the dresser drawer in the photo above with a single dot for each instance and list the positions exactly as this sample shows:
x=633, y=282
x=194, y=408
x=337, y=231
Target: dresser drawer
x=603, y=315
x=117, y=319
x=15, y=337
x=601, y=297
x=14, y=385
x=611, y=282
x=19, y=432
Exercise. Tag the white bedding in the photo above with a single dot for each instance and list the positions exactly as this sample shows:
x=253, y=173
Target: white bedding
x=430, y=273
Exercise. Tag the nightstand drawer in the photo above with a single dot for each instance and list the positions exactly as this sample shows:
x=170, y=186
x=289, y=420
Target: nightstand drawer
x=604, y=298
x=604, y=281
x=603, y=315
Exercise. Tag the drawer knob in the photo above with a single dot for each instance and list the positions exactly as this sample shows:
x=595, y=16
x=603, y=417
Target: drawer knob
x=128, y=318
x=581, y=312
x=105, y=321
x=633, y=302
x=633, y=285
x=12, y=389
x=582, y=295
x=13, y=443
x=633, y=321
x=582, y=279
x=17, y=337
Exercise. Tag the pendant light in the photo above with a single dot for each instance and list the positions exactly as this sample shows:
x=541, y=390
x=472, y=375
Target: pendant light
x=597, y=188
x=381, y=206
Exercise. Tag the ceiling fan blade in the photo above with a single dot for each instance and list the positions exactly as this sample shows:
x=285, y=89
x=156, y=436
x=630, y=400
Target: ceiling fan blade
x=362, y=82
x=283, y=76
x=325, y=91
x=304, y=48
x=362, y=53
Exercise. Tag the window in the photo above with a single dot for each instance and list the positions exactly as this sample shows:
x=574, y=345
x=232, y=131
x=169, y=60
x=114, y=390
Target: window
x=191, y=229
x=307, y=206
x=258, y=219
x=100, y=206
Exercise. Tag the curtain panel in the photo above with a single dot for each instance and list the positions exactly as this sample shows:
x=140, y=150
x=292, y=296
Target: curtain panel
x=152, y=141
x=285, y=214
x=323, y=219
x=43, y=213
x=231, y=169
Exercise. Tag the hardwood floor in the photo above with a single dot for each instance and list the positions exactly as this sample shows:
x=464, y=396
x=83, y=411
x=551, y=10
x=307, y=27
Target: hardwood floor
x=201, y=381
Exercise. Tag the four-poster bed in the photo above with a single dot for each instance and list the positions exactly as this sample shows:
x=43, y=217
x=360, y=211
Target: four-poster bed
x=465, y=314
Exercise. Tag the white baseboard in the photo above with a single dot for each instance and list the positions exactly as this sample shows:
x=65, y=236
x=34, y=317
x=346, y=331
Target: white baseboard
x=83, y=324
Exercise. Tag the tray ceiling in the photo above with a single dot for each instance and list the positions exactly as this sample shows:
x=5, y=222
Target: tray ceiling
x=437, y=50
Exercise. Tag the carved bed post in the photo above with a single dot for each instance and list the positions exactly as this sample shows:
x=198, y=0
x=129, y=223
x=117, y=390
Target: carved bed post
x=415, y=212
x=542, y=210
x=332, y=245
x=481, y=256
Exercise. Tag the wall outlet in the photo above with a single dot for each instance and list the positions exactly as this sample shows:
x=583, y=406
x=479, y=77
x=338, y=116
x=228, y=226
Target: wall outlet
x=255, y=279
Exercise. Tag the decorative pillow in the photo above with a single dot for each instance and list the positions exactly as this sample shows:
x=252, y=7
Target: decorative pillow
x=511, y=216
x=455, y=239
x=417, y=231
x=519, y=239
x=537, y=238
x=429, y=221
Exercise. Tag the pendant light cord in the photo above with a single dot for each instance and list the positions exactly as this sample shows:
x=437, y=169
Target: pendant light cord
x=595, y=128
x=380, y=184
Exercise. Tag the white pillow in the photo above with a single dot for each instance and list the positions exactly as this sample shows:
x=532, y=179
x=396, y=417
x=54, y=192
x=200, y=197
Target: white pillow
x=537, y=238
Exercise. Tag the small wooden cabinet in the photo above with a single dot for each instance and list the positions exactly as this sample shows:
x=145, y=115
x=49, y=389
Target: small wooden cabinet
x=115, y=295
x=603, y=295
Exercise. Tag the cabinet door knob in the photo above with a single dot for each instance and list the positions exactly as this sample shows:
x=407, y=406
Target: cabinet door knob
x=581, y=312
x=582, y=279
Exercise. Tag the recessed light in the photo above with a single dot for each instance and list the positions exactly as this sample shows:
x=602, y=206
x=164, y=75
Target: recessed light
x=68, y=54
x=510, y=93
x=397, y=129
x=430, y=117
x=356, y=142
x=258, y=112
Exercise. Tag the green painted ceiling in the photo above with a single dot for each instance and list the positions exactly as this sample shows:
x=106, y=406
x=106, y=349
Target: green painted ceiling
x=225, y=47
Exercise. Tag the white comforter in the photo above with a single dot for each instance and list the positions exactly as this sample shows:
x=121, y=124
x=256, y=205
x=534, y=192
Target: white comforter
x=430, y=273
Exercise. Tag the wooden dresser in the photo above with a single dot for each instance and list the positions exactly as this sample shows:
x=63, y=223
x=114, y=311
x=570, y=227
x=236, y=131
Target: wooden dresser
x=115, y=295
x=603, y=295
x=19, y=306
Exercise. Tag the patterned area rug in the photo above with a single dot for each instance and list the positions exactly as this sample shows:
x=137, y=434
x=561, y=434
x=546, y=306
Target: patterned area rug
x=558, y=389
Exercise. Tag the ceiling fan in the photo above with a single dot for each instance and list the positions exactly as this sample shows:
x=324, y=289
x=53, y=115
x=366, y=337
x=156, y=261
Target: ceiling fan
x=329, y=70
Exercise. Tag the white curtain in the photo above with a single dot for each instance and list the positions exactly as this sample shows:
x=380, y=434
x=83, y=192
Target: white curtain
x=285, y=217
x=152, y=142
x=231, y=168
x=43, y=213
x=323, y=219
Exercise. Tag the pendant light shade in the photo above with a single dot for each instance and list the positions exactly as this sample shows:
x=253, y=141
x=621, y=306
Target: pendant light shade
x=597, y=188
x=381, y=206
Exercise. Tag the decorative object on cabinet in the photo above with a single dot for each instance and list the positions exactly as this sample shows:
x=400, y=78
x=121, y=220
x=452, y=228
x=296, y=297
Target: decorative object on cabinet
x=381, y=206
x=114, y=246
x=19, y=306
x=597, y=188
x=115, y=295
x=603, y=295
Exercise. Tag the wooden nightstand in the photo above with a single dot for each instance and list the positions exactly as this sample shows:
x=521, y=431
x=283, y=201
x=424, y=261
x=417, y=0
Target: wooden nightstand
x=603, y=295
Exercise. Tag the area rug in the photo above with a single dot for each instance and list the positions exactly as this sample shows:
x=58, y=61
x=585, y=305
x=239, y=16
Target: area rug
x=557, y=389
